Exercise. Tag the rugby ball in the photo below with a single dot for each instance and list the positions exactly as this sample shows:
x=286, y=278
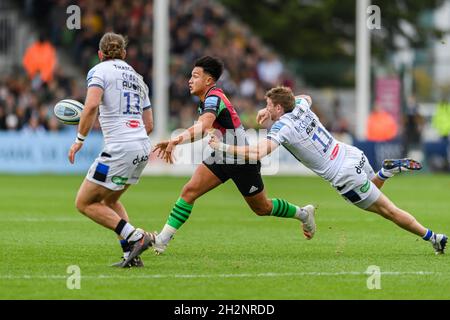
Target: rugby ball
x=68, y=111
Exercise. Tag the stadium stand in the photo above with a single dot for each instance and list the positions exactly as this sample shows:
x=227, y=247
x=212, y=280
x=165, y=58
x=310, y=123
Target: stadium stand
x=197, y=28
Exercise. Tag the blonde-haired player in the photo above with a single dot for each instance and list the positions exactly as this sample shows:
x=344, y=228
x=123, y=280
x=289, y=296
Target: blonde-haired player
x=119, y=95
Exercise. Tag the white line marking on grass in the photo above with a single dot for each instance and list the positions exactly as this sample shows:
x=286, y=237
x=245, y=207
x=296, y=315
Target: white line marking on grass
x=231, y=275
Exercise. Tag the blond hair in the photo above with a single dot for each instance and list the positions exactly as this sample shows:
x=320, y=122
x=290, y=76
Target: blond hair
x=282, y=96
x=112, y=45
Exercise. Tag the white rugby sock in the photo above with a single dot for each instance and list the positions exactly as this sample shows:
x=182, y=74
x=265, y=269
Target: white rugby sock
x=301, y=214
x=128, y=232
x=166, y=234
x=135, y=235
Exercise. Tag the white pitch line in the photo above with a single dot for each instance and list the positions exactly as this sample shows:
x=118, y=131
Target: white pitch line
x=232, y=275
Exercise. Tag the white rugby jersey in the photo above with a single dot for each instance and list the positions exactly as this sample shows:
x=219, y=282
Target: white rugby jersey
x=125, y=96
x=302, y=134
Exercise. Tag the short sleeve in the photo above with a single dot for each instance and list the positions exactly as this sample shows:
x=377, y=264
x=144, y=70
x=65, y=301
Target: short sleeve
x=143, y=85
x=275, y=133
x=147, y=103
x=95, y=78
x=212, y=104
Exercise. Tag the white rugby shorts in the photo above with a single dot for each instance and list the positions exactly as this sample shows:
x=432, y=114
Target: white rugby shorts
x=353, y=181
x=119, y=165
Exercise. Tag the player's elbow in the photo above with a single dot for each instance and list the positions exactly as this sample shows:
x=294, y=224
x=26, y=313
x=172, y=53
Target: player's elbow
x=80, y=205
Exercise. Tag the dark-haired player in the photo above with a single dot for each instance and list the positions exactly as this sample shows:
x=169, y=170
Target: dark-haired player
x=216, y=111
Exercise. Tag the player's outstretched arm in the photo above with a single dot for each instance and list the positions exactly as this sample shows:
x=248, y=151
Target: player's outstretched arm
x=88, y=116
x=164, y=149
x=255, y=152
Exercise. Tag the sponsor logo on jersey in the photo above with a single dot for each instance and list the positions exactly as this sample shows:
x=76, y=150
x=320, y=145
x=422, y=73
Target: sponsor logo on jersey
x=122, y=67
x=133, y=124
x=360, y=165
x=335, y=152
x=138, y=160
x=120, y=181
x=365, y=187
x=212, y=103
x=311, y=127
x=307, y=122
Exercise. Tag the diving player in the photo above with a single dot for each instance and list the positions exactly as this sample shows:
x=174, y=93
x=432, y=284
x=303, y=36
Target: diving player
x=299, y=130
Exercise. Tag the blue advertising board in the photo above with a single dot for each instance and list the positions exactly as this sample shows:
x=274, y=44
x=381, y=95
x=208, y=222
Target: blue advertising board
x=46, y=152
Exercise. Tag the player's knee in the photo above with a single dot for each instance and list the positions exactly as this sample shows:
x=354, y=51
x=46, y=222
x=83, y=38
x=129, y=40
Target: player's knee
x=80, y=205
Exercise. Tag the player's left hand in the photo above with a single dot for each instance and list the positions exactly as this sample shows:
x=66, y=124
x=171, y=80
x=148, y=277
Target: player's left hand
x=73, y=150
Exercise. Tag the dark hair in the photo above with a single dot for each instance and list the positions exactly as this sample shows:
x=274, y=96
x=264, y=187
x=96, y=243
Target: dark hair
x=282, y=96
x=210, y=65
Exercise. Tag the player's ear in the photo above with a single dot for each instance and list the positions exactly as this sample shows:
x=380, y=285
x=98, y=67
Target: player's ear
x=100, y=55
x=124, y=54
x=209, y=81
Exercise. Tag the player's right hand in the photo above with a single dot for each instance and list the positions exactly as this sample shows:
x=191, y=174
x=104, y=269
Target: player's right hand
x=73, y=150
x=262, y=116
x=165, y=149
x=168, y=152
x=160, y=148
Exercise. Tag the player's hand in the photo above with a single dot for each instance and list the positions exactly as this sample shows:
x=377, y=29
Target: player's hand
x=262, y=116
x=214, y=142
x=306, y=97
x=168, y=152
x=160, y=148
x=73, y=150
x=165, y=149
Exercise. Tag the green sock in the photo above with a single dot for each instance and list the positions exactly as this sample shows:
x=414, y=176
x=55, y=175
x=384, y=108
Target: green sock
x=179, y=214
x=283, y=209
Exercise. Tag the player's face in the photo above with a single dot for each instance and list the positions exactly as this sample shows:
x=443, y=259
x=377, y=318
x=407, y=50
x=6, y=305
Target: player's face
x=274, y=111
x=199, y=81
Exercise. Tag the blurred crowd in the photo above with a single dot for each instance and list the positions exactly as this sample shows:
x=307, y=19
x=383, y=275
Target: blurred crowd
x=197, y=28
x=27, y=105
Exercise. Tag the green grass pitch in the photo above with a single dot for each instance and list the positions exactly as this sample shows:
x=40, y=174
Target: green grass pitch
x=224, y=251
